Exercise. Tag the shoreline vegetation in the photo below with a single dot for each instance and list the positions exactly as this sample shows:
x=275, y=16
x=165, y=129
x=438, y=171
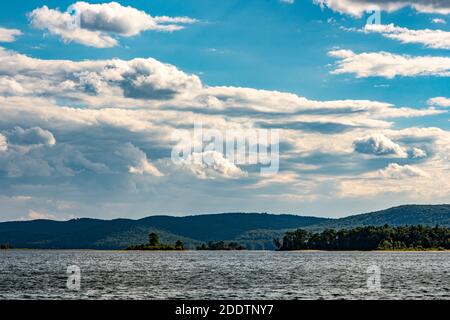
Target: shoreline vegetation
x=221, y=246
x=253, y=231
x=365, y=239
x=385, y=238
x=154, y=245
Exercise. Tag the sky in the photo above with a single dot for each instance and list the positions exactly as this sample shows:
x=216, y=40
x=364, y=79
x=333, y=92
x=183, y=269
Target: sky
x=92, y=93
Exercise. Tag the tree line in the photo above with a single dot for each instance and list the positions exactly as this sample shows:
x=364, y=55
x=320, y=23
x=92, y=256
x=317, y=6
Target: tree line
x=155, y=245
x=221, y=245
x=368, y=238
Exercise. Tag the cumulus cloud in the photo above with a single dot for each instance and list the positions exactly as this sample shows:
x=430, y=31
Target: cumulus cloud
x=10, y=87
x=3, y=143
x=31, y=136
x=95, y=108
x=149, y=79
x=137, y=78
x=211, y=165
x=396, y=171
x=9, y=35
x=388, y=65
x=379, y=145
x=435, y=39
x=439, y=102
x=137, y=161
x=359, y=7
x=97, y=25
x=43, y=161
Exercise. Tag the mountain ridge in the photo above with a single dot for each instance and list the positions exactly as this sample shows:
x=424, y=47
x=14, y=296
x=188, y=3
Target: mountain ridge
x=255, y=230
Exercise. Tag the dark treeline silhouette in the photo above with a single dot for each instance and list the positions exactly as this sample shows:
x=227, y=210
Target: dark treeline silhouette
x=5, y=247
x=368, y=238
x=154, y=245
x=221, y=245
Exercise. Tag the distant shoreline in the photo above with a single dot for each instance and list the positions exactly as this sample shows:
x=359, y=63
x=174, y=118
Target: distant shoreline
x=181, y=251
x=381, y=251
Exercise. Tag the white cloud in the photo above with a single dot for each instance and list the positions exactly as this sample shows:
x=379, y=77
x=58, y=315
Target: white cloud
x=9, y=35
x=435, y=39
x=137, y=78
x=359, y=7
x=3, y=143
x=211, y=165
x=96, y=25
x=264, y=101
x=396, y=171
x=439, y=21
x=288, y=1
x=439, y=102
x=417, y=153
x=379, y=145
x=388, y=65
x=137, y=161
x=10, y=87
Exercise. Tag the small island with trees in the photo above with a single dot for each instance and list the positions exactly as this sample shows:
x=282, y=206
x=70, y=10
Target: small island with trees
x=221, y=246
x=154, y=245
x=370, y=238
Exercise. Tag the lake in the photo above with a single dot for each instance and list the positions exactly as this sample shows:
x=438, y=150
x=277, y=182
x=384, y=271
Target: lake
x=35, y=274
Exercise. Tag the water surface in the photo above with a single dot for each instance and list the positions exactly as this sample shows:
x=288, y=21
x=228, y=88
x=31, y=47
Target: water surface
x=38, y=274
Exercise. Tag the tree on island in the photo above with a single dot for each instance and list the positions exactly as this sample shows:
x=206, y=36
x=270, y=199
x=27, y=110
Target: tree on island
x=179, y=245
x=154, y=245
x=221, y=245
x=153, y=239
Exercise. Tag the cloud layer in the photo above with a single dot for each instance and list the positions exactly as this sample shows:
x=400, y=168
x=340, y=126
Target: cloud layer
x=388, y=65
x=435, y=39
x=75, y=133
x=439, y=102
x=9, y=35
x=359, y=7
x=99, y=25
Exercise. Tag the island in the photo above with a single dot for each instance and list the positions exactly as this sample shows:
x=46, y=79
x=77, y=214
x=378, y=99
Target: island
x=222, y=246
x=155, y=245
x=369, y=238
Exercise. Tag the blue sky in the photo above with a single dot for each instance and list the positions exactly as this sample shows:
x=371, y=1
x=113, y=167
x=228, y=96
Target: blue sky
x=363, y=112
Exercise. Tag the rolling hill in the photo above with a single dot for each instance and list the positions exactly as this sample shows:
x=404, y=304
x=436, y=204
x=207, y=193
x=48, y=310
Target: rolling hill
x=427, y=215
x=120, y=233
x=256, y=231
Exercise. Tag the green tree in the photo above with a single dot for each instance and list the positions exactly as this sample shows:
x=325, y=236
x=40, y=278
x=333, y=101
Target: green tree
x=385, y=245
x=179, y=245
x=153, y=239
